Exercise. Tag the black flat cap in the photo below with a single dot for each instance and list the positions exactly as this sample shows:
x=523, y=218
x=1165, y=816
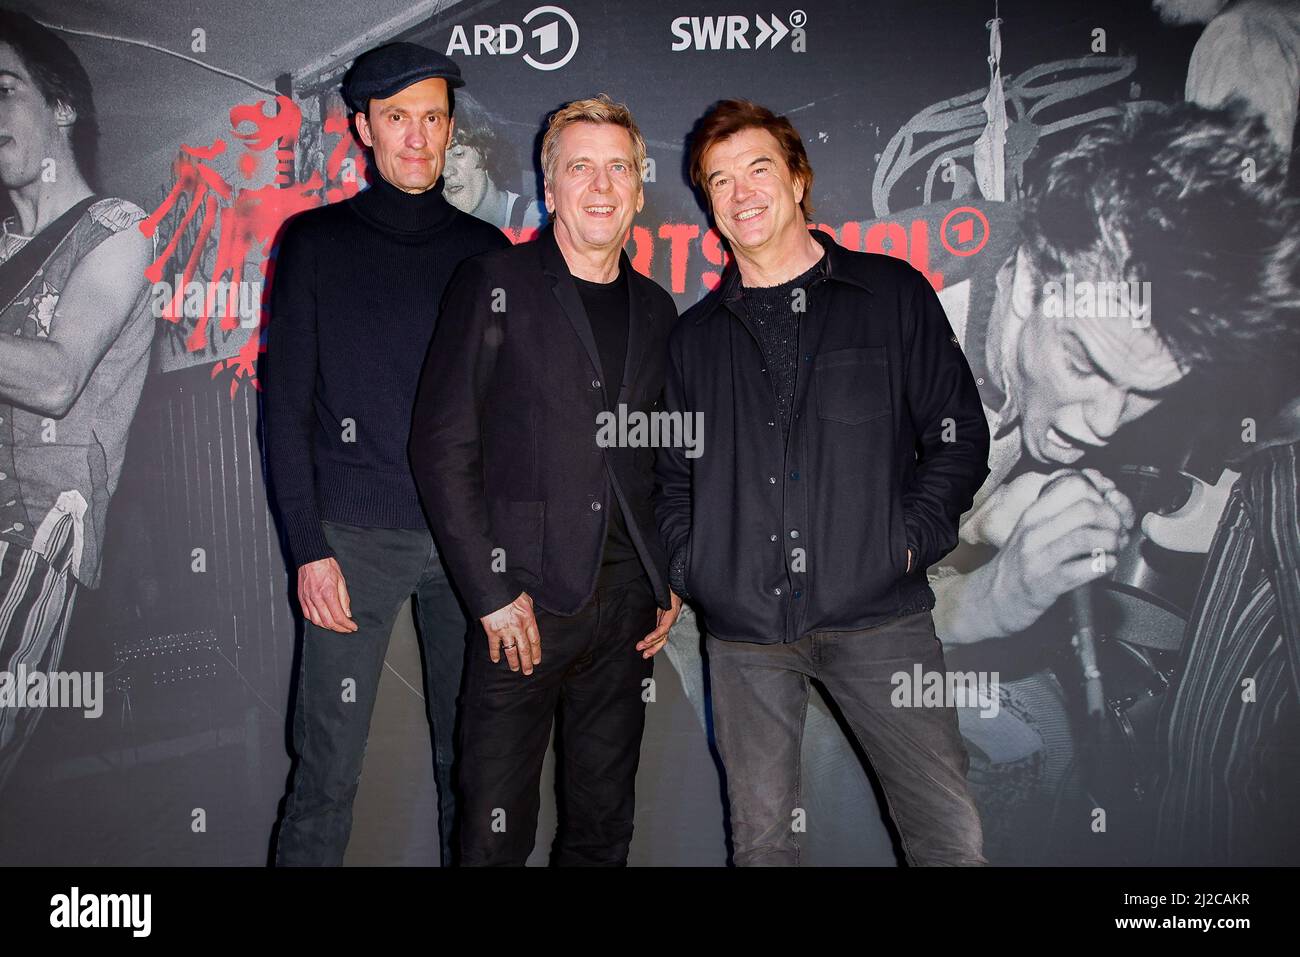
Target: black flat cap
x=385, y=70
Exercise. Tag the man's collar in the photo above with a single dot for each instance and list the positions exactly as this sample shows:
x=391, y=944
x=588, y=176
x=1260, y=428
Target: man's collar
x=838, y=264
x=841, y=264
x=404, y=212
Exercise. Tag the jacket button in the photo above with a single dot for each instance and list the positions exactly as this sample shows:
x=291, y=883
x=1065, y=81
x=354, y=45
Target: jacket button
x=774, y=538
x=595, y=506
x=773, y=424
x=776, y=592
x=794, y=533
x=771, y=480
x=795, y=476
x=798, y=594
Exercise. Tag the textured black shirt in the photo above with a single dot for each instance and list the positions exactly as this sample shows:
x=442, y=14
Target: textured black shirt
x=774, y=313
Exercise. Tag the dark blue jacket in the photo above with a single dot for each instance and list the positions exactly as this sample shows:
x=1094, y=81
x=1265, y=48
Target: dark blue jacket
x=887, y=447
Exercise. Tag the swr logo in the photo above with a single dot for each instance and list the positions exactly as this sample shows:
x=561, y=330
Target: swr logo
x=713, y=33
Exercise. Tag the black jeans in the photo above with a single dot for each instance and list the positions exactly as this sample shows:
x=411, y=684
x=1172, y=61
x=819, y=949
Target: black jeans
x=760, y=698
x=382, y=568
x=593, y=675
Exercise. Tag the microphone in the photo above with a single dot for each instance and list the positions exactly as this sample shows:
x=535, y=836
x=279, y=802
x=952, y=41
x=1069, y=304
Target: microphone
x=1084, y=642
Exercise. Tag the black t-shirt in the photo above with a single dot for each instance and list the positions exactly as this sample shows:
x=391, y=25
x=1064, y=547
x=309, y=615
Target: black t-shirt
x=607, y=311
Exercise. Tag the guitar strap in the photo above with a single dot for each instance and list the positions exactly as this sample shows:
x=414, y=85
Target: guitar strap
x=18, y=270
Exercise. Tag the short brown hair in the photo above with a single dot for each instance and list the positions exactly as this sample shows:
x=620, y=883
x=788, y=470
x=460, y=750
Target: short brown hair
x=727, y=118
x=597, y=109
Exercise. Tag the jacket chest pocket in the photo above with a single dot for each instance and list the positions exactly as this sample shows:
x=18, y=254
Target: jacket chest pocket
x=852, y=385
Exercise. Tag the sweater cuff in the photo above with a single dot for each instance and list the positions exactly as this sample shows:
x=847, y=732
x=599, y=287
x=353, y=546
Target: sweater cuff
x=306, y=538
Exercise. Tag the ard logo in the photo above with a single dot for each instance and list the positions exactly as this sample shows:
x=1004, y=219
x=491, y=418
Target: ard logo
x=547, y=38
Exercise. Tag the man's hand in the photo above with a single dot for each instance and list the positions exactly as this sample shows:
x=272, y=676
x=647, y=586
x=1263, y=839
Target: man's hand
x=653, y=643
x=513, y=629
x=323, y=595
x=994, y=521
x=1066, y=538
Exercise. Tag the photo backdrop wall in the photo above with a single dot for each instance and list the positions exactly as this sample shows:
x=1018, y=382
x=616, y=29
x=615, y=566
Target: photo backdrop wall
x=928, y=123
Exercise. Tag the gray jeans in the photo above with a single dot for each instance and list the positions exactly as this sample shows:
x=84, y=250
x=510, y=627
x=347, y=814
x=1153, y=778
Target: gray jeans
x=760, y=698
x=382, y=568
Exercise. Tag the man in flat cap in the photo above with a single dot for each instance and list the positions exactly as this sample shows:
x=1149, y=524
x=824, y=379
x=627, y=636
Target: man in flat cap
x=353, y=305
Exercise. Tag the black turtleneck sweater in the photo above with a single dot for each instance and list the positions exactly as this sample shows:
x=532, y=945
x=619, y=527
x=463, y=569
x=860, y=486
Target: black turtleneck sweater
x=354, y=298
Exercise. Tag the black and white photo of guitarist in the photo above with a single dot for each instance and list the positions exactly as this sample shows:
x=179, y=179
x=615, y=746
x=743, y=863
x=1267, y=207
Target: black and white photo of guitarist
x=75, y=335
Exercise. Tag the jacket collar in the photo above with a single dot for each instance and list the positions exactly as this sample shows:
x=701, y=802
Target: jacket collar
x=640, y=312
x=553, y=262
x=838, y=265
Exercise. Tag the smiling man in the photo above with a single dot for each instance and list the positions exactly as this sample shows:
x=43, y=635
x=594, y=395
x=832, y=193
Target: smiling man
x=353, y=305
x=549, y=531
x=846, y=438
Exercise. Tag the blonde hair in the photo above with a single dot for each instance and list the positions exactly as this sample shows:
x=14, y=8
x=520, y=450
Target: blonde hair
x=598, y=109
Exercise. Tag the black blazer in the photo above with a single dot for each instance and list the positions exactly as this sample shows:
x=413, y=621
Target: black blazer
x=503, y=440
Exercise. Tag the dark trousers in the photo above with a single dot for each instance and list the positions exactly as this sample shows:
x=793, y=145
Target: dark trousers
x=382, y=568
x=592, y=674
x=760, y=698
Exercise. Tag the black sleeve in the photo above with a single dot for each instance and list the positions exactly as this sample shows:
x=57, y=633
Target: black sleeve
x=288, y=397
x=446, y=448
x=952, y=432
x=673, y=480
